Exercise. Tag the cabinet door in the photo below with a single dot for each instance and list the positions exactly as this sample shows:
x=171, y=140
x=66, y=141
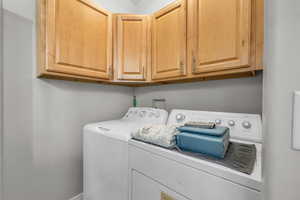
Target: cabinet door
x=131, y=47
x=78, y=38
x=169, y=41
x=221, y=34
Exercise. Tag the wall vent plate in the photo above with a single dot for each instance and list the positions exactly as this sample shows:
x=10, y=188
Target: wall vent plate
x=296, y=121
x=164, y=196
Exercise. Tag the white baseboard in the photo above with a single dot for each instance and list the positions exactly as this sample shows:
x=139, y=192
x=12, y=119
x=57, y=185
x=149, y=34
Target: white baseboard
x=78, y=197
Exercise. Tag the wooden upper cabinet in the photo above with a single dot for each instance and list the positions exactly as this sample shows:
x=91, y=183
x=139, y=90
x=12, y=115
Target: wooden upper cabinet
x=131, y=47
x=169, y=41
x=220, y=34
x=77, y=37
x=186, y=40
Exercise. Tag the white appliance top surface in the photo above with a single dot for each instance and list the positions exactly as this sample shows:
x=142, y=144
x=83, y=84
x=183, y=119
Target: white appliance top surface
x=244, y=128
x=253, y=181
x=247, y=127
x=134, y=119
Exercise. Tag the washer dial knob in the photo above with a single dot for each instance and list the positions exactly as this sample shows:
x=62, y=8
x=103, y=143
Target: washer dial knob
x=143, y=113
x=231, y=123
x=246, y=124
x=157, y=115
x=180, y=117
x=151, y=114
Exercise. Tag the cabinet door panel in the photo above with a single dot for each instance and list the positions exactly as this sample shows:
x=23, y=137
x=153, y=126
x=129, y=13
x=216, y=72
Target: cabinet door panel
x=169, y=41
x=79, y=38
x=222, y=35
x=131, y=47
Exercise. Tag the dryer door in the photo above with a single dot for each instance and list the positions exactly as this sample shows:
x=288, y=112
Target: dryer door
x=176, y=172
x=148, y=189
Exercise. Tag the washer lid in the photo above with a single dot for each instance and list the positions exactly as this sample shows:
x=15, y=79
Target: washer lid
x=134, y=119
x=118, y=129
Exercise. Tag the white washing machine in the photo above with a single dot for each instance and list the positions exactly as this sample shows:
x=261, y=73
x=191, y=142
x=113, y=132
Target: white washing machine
x=161, y=174
x=105, y=150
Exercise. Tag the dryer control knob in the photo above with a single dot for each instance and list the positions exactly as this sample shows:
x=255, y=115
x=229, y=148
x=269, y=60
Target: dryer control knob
x=180, y=117
x=246, y=125
x=231, y=123
x=218, y=121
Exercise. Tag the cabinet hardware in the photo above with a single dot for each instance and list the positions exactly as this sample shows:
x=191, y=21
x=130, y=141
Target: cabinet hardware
x=110, y=73
x=145, y=72
x=182, y=67
x=194, y=63
x=243, y=43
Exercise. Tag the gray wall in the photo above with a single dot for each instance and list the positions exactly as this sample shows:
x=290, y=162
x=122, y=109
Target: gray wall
x=1, y=96
x=43, y=119
x=232, y=95
x=18, y=107
x=24, y=8
x=281, y=78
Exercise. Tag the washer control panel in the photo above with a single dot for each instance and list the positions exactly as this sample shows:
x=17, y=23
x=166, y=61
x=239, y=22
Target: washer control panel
x=242, y=126
x=147, y=114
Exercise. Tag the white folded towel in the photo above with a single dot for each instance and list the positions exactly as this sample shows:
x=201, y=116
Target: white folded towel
x=162, y=135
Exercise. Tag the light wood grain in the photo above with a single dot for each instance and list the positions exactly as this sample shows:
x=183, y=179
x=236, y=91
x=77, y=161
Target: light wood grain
x=257, y=34
x=221, y=38
x=169, y=41
x=131, y=47
x=83, y=48
x=65, y=52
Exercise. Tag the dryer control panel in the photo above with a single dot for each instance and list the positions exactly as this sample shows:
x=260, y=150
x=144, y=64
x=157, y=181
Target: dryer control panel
x=242, y=126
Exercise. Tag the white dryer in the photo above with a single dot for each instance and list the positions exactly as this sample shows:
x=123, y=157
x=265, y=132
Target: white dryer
x=105, y=150
x=161, y=174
